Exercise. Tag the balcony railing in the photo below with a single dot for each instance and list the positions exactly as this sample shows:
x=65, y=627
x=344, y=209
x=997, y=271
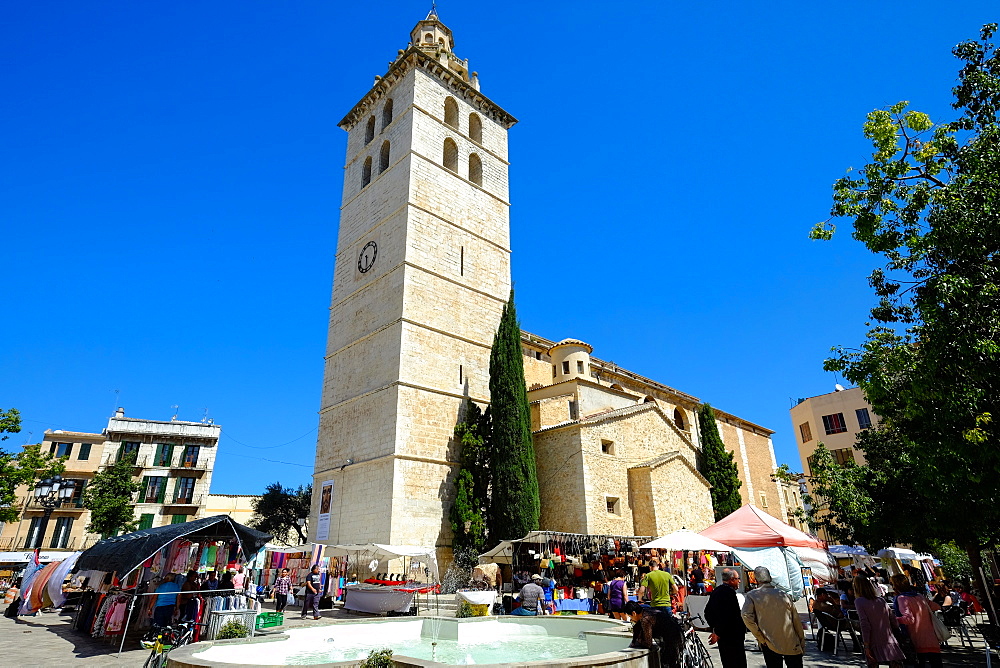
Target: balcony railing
x=199, y=466
x=141, y=461
x=189, y=500
x=27, y=543
x=64, y=504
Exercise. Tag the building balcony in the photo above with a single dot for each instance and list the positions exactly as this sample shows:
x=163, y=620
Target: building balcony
x=195, y=467
x=32, y=505
x=25, y=543
x=187, y=502
x=141, y=461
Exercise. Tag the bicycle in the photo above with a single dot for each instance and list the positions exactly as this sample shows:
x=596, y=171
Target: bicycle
x=695, y=654
x=164, y=639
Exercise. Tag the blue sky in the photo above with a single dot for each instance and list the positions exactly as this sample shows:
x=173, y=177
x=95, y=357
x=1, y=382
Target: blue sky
x=171, y=181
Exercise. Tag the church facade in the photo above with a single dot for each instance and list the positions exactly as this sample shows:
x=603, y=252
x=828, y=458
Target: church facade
x=422, y=273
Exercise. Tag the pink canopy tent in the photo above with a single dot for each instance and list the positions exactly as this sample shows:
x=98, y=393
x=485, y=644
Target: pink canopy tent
x=752, y=527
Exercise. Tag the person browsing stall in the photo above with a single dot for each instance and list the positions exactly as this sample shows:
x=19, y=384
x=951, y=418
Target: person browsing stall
x=314, y=585
x=658, y=587
x=166, y=601
x=530, y=595
x=723, y=614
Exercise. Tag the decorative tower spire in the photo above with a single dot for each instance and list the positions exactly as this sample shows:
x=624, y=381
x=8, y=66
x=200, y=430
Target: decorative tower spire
x=435, y=39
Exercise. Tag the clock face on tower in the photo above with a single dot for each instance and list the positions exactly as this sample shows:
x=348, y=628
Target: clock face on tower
x=367, y=257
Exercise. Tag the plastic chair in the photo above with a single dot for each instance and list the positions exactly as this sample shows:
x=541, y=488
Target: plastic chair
x=836, y=627
x=954, y=618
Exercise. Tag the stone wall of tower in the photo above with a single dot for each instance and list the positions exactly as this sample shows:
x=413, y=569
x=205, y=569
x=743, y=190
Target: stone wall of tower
x=410, y=338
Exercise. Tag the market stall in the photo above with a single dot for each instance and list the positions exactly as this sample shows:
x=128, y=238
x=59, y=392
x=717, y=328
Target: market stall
x=576, y=567
x=383, y=591
x=685, y=541
x=119, y=574
x=759, y=539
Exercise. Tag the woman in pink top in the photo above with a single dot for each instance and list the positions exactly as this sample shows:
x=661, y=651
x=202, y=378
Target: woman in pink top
x=914, y=611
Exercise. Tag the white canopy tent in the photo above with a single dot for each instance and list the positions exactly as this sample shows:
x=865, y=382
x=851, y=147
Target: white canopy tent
x=365, y=553
x=685, y=539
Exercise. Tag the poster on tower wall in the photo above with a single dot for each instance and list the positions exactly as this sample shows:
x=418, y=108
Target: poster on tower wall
x=325, y=502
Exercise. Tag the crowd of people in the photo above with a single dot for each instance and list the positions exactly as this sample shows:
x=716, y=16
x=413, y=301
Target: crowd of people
x=893, y=616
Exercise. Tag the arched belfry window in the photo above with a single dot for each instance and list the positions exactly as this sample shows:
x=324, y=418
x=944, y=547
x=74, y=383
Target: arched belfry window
x=429, y=38
x=451, y=112
x=370, y=130
x=383, y=158
x=475, y=169
x=450, y=159
x=475, y=128
x=366, y=172
x=679, y=419
x=386, y=114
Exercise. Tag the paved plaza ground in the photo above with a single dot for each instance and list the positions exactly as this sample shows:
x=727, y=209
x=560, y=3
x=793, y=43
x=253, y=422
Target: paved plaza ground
x=47, y=640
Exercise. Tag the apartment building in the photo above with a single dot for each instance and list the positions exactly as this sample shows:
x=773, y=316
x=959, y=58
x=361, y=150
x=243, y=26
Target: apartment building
x=173, y=465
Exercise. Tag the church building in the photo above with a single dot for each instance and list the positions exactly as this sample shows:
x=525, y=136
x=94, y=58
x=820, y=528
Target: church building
x=422, y=274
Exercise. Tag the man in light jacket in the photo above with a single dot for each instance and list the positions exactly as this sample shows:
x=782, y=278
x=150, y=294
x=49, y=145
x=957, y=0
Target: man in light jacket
x=771, y=617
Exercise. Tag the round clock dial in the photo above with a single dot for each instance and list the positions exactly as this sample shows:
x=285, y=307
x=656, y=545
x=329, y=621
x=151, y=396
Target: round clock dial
x=367, y=257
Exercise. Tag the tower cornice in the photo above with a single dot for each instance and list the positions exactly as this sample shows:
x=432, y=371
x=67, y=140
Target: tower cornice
x=414, y=58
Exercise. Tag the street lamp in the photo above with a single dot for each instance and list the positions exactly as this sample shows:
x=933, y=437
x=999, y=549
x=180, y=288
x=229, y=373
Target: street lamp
x=49, y=494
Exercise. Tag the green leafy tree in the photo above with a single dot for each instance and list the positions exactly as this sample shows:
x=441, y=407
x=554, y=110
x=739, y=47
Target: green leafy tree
x=471, y=506
x=23, y=469
x=108, y=497
x=278, y=510
x=718, y=466
x=834, y=501
x=10, y=423
x=928, y=202
x=514, y=503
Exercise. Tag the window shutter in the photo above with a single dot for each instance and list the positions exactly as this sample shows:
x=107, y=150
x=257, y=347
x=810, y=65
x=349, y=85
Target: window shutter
x=163, y=491
x=121, y=450
x=156, y=454
x=52, y=449
x=170, y=455
x=144, y=490
x=69, y=449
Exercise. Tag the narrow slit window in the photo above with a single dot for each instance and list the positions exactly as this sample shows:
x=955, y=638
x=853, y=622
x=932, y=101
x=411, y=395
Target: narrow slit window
x=461, y=261
x=460, y=374
x=366, y=172
x=451, y=112
x=386, y=114
x=450, y=158
x=475, y=128
x=475, y=169
x=370, y=130
x=383, y=158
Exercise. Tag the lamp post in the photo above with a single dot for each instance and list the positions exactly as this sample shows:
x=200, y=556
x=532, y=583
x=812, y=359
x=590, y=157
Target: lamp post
x=49, y=494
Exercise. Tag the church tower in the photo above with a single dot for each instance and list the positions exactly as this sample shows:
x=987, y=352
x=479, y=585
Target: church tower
x=422, y=273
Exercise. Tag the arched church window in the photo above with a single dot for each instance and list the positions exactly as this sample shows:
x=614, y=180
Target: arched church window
x=383, y=158
x=366, y=172
x=451, y=155
x=451, y=112
x=475, y=169
x=475, y=128
x=386, y=114
x=679, y=419
x=370, y=130
x=429, y=38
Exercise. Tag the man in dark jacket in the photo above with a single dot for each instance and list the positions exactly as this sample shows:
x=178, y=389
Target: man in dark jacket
x=723, y=614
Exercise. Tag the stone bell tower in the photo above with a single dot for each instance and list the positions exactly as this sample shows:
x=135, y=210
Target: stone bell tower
x=422, y=273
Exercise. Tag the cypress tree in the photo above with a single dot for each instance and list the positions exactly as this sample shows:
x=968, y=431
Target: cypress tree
x=471, y=507
x=718, y=466
x=514, y=496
